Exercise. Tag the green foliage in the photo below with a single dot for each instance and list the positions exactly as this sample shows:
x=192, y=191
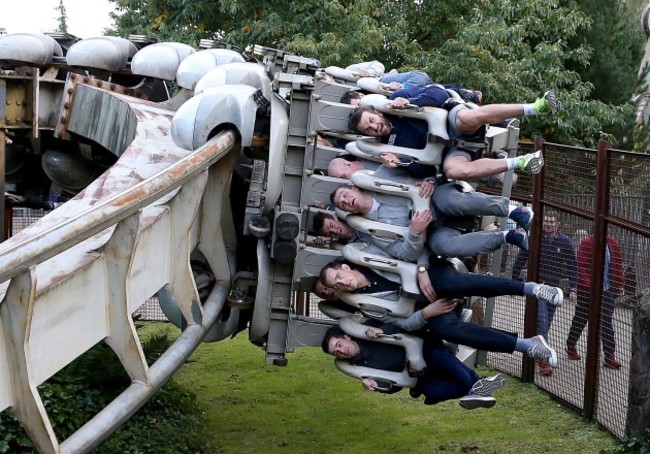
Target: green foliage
x=633, y=445
x=512, y=51
x=171, y=423
x=617, y=42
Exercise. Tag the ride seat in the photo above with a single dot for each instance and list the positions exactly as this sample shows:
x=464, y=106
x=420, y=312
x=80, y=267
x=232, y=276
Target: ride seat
x=366, y=179
x=415, y=364
x=437, y=137
x=374, y=306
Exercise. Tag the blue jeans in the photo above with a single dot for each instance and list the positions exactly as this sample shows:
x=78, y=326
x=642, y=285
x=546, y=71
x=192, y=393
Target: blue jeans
x=408, y=79
x=545, y=315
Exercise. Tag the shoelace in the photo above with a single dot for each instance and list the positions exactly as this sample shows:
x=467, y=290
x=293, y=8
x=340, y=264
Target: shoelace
x=546, y=294
x=539, y=352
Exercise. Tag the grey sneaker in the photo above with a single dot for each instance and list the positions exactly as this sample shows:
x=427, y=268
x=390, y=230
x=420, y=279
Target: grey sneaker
x=531, y=162
x=541, y=350
x=474, y=401
x=551, y=295
x=486, y=386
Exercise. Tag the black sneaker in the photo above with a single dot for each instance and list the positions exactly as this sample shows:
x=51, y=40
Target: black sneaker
x=474, y=401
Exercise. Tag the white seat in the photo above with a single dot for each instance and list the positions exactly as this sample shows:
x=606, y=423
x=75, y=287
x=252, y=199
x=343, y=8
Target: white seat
x=366, y=179
x=375, y=306
x=353, y=326
x=437, y=137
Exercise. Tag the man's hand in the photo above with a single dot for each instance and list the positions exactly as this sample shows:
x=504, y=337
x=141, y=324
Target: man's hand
x=425, y=287
x=362, y=73
x=395, y=86
x=389, y=160
x=369, y=384
x=426, y=188
x=322, y=240
x=373, y=333
x=438, y=307
x=420, y=221
x=573, y=297
x=398, y=103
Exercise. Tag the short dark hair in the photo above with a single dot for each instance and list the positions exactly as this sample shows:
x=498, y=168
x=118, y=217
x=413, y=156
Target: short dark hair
x=348, y=96
x=333, y=265
x=355, y=117
x=334, y=331
x=319, y=221
x=333, y=194
x=551, y=214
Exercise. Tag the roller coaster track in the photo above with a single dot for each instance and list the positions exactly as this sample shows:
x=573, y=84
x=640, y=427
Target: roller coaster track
x=75, y=277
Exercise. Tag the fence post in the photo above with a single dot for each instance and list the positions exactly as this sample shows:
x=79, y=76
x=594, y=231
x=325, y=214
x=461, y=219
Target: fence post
x=638, y=410
x=601, y=210
x=530, y=315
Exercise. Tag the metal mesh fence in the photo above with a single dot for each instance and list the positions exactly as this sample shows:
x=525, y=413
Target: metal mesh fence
x=574, y=205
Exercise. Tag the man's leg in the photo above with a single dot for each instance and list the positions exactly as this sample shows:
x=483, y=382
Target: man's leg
x=468, y=121
x=458, y=165
x=579, y=318
x=407, y=79
x=606, y=325
x=449, y=283
x=447, y=378
x=450, y=328
x=449, y=242
x=452, y=201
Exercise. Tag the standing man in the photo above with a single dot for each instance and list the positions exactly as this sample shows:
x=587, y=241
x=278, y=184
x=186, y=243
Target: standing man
x=612, y=287
x=557, y=260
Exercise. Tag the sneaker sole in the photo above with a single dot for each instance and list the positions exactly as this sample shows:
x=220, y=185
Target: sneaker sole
x=486, y=386
x=474, y=403
x=552, y=361
x=552, y=100
x=535, y=165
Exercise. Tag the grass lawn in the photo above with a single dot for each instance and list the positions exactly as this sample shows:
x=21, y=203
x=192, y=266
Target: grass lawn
x=310, y=407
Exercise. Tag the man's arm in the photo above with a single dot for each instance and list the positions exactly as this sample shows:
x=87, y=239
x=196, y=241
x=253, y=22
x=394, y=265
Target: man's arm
x=431, y=96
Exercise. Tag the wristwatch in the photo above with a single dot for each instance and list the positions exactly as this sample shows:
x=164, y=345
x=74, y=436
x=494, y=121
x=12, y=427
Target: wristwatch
x=423, y=268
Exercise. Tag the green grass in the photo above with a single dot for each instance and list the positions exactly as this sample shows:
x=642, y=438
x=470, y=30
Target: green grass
x=310, y=407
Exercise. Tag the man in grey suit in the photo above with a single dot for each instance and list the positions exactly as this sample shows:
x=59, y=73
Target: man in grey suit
x=450, y=201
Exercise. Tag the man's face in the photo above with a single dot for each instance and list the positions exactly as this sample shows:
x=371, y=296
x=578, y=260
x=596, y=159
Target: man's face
x=346, y=168
x=355, y=101
x=323, y=291
x=374, y=124
x=353, y=200
x=550, y=226
x=343, y=347
x=336, y=229
x=344, y=279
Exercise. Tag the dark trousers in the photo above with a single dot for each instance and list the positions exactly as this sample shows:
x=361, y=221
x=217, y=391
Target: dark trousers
x=606, y=326
x=447, y=378
x=450, y=328
x=449, y=283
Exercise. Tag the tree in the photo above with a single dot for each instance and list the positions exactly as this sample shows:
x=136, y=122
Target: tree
x=512, y=51
x=62, y=19
x=617, y=42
